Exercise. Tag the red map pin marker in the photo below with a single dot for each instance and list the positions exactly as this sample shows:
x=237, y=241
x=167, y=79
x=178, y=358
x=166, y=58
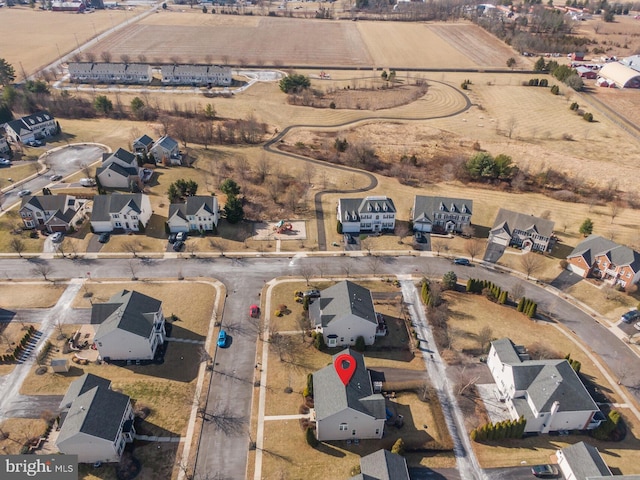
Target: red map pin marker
x=345, y=366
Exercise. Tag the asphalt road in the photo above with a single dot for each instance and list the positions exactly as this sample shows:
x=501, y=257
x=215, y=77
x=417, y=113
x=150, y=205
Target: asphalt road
x=224, y=444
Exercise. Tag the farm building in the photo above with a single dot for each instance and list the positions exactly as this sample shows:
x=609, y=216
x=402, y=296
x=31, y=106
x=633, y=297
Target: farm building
x=586, y=72
x=622, y=76
x=633, y=62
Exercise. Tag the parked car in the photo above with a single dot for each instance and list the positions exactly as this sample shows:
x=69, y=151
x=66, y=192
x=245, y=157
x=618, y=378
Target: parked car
x=630, y=316
x=57, y=237
x=420, y=238
x=172, y=238
x=181, y=236
x=55, y=178
x=104, y=237
x=87, y=182
x=348, y=238
x=222, y=339
x=178, y=246
x=5, y=162
x=461, y=261
x=544, y=471
x=312, y=293
x=24, y=193
x=254, y=311
x=637, y=326
x=34, y=143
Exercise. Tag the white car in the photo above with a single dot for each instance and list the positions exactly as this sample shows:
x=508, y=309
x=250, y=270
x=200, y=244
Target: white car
x=24, y=193
x=5, y=162
x=637, y=326
x=57, y=237
x=55, y=178
x=87, y=182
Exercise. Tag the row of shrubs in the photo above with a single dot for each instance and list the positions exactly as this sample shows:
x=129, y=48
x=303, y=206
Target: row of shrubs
x=308, y=390
x=537, y=82
x=528, y=307
x=11, y=357
x=499, y=431
x=490, y=289
x=606, y=428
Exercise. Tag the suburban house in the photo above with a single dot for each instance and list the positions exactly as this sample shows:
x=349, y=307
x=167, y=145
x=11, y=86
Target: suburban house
x=351, y=411
x=343, y=313
x=109, y=72
x=382, y=465
x=196, y=75
x=369, y=214
x=198, y=213
x=4, y=146
x=130, y=326
x=547, y=393
x=166, y=150
x=583, y=461
x=441, y=214
x=522, y=231
x=37, y=126
x=598, y=257
x=54, y=213
x=142, y=145
x=119, y=170
x=96, y=422
x=120, y=211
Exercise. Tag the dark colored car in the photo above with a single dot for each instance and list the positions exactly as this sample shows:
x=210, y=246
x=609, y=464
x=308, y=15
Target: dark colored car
x=544, y=471
x=420, y=238
x=312, y=293
x=349, y=239
x=172, y=238
x=630, y=316
x=178, y=246
x=104, y=237
x=462, y=261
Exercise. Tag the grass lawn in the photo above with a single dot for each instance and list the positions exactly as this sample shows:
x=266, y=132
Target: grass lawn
x=31, y=295
x=608, y=302
x=19, y=430
x=10, y=221
x=17, y=173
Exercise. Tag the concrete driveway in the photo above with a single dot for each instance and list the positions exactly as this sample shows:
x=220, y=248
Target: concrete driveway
x=565, y=280
x=493, y=252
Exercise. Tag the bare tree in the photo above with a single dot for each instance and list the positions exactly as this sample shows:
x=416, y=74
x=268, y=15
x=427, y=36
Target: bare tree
x=366, y=244
x=614, y=210
x=105, y=56
x=132, y=246
x=125, y=58
x=309, y=172
x=346, y=266
x=217, y=244
x=142, y=58
x=43, y=269
x=17, y=245
x=438, y=246
x=225, y=421
x=133, y=268
x=473, y=247
x=517, y=291
x=402, y=230
x=465, y=381
x=263, y=167
x=485, y=335
x=512, y=124
x=468, y=230
x=530, y=263
x=373, y=263
x=306, y=272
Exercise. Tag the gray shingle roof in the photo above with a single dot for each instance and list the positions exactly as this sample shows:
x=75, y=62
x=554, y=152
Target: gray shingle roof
x=104, y=205
x=83, y=384
x=122, y=155
x=145, y=140
x=585, y=461
x=595, y=245
x=383, y=465
x=342, y=299
x=179, y=210
x=119, y=169
x=129, y=311
x=331, y=396
x=520, y=221
x=97, y=412
x=424, y=207
x=166, y=142
x=352, y=208
x=29, y=121
x=507, y=351
x=195, y=203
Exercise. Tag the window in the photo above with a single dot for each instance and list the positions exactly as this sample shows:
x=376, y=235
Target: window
x=134, y=217
x=344, y=427
x=341, y=339
x=115, y=215
x=377, y=431
x=118, y=224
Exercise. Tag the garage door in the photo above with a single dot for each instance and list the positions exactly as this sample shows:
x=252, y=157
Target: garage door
x=577, y=270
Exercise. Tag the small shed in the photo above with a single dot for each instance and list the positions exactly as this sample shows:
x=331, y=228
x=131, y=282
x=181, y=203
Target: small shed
x=586, y=72
x=577, y=56
x=60, y=365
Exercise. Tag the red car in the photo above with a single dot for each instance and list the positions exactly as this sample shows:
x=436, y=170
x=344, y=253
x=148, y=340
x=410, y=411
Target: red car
x=254, y=311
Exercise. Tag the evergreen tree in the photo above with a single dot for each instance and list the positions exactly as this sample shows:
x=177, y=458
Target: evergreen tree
x=233, y=209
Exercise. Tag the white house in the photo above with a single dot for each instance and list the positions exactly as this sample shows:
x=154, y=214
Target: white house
x=199, y=213
x=120, y=211
x=521, y=230
x=119, y=170
x=351, y=411
x=382, y=465
x=582, y=461
x=131, y=326
x=441, y=214
x=4, y=146
x=343, y=313
x=370, y=214
x=166, y=150
x=547, y=393
x=110, y=72
x=97, y=422
x=31, y=127
x=142, y=144
x=55, y=213
x=196, y=75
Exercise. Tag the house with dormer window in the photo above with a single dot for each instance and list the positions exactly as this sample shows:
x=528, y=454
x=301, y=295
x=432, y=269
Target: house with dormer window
x=125, y=212
x=367, y=215
x=32, y=127
x=96, y=422
x=521, y=230
x=605, y=259
x=441, y=214
x=54, y=213
x=142, y=145
x=166, y=151
x=549, y=394
x=343, y=313
x=199, y=213
x=351, y=411
x=130, y=326
x=119, y=170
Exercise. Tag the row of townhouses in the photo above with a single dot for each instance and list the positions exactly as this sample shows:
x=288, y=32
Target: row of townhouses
x=182, y=74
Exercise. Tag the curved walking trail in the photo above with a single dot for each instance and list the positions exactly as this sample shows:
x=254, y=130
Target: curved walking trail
x=373, y=181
